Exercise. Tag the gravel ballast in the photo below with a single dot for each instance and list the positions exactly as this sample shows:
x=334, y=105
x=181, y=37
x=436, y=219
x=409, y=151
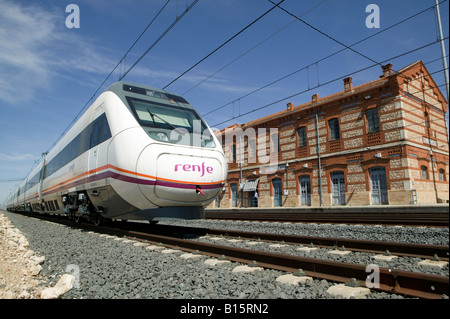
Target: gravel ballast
x=107, y=268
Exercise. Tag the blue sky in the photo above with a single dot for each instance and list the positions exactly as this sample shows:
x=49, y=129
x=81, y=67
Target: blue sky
x=48, y=72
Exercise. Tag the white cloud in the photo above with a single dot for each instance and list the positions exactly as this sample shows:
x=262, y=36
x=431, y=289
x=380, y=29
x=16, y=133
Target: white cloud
x=23, y=33
x=15, y=158
x=36, y=49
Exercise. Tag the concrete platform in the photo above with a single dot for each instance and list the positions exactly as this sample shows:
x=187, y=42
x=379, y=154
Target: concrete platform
x=310, y=210
x=348, y=292
x=291, y=279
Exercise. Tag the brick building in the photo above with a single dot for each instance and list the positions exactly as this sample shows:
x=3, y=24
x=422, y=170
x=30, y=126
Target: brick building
x=383, y=142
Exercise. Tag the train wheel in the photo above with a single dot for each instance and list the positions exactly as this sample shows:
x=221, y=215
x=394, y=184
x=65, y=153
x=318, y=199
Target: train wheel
x=97, y=219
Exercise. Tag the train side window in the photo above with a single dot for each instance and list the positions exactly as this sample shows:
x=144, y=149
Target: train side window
x=105, y=132
x=100, y=131
x=95, y=135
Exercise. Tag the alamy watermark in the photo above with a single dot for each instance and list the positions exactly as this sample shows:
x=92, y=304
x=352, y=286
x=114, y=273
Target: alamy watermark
x=74, y=270
x=73, y=19
x=262, y=145
x=373, y=19
x=373, y=279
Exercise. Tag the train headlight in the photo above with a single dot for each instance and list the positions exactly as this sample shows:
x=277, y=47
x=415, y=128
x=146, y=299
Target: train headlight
x=160, y=136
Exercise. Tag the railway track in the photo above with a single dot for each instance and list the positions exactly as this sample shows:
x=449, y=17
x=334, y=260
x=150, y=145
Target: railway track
x=407, y=283
x=385, y=215
x=372, y=246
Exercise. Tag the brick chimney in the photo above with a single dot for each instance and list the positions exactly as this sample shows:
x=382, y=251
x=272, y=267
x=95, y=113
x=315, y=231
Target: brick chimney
x=387, y=70
x=290, y=106
x=348, y=84
x=315, y=98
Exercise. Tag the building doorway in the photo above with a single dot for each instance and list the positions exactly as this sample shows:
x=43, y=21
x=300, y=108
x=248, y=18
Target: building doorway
x=234, y=195
x=250, y=192
x=338, y=188
x=277, y=192
x=378, y=185
x=305, y=190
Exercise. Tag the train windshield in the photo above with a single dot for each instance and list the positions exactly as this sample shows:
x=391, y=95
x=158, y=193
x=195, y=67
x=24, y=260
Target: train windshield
x=171, y=124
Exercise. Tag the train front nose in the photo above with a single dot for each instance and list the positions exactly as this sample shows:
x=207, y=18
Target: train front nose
x=189, y=179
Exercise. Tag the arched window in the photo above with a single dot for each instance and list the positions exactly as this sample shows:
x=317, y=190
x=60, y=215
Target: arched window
x=373, y=124
x=423, y=172
x=301, y=136
x=441, y=175
x=427, y=120
x=333, y=124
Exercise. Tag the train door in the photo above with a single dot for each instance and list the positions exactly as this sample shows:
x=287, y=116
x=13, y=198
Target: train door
x=378, y=185
x=338, y=188
x=94, y=141
x=277, y=192
x=41, y=183
x=305, y=190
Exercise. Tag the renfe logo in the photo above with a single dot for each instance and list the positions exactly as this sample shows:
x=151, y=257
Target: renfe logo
x=194, y=168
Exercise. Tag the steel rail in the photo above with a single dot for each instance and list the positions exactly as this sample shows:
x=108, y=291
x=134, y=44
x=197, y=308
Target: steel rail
x=396, y=248
x=401, y=249
x=370, y=217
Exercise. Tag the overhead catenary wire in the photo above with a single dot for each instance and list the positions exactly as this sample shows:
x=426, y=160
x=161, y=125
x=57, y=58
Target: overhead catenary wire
x=222, y=45
x=326, y=83
x=161, y=36
x=323, y=59
x=330, y=37
x=252, y=48
x=123, y=58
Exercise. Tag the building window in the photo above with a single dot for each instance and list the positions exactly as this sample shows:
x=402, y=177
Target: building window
x=373, y=124
x=427, y=120
x=424, y=172
x=233, y=150
x=301, y=136
x=275, y=143
x=334, y=129
x=252, y=146
x=441, y=175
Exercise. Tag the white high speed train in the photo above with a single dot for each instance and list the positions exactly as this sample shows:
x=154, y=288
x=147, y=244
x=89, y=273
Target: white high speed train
x=136, y=153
